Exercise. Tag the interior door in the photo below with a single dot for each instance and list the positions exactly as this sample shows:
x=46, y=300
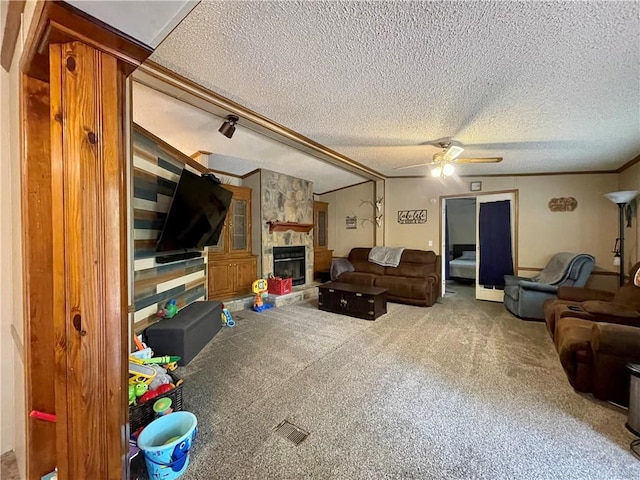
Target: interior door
x=492, y=293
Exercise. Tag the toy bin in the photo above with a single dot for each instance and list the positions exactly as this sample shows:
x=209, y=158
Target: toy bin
x=279, y=286
x=142, y=414
x=166, y=443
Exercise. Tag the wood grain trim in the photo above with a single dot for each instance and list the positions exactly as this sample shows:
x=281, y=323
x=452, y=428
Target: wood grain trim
x=11, y=32
x=195, y=155
x=172, y=150
x=344, y=188
x=479, y=194
x=249, y=117
x=37, y=234
x=59, y=22
x=252, y=172
x=58, y=306
x=17, y=342
x=90, y=255
x=629, y=164
x=497, y=175
x=222, y=172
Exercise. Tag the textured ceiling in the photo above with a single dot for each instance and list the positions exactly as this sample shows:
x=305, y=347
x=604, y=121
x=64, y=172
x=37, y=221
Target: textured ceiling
x=190, y=129
x=549, y=86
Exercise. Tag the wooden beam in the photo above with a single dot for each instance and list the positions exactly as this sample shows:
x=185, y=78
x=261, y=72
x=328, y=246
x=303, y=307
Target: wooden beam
x=89, y=261
x=37, y=235
x=11, y=32
x=59, y=22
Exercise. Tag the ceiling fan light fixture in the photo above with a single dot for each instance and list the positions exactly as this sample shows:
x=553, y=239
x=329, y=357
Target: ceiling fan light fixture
x=436, y=172
x=448, y=170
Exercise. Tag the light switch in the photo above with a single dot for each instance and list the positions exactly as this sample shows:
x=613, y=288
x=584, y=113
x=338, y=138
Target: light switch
x=431, y=243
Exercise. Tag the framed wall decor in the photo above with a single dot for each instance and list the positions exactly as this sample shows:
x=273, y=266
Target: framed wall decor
x=475, y=186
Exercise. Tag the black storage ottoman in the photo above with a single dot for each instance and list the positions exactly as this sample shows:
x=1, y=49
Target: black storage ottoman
x=187, y=333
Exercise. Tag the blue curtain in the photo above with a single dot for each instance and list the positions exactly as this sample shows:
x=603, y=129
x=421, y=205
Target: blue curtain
x=496, y=259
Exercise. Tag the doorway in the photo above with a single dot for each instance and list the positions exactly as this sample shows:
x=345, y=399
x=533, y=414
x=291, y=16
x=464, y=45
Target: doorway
x=479, y=241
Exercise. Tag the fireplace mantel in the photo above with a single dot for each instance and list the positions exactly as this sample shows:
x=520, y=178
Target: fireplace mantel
x=276, y=226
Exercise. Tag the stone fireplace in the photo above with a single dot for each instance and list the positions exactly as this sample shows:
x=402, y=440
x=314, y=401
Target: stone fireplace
x=286, y=199
x=290, y=262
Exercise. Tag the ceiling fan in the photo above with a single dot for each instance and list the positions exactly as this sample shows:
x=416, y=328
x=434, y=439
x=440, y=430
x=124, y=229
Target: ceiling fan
x=443, y=161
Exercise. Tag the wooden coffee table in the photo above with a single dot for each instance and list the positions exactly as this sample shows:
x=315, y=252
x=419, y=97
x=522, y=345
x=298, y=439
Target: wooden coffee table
x=354, y=300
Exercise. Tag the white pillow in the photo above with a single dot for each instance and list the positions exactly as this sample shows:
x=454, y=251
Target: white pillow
x=636, y=279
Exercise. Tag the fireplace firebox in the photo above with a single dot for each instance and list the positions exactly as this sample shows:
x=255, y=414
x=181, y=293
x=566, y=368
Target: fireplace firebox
x=290, y=262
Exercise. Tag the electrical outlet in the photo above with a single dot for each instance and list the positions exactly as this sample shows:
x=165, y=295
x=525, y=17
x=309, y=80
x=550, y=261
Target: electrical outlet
x=431, y=243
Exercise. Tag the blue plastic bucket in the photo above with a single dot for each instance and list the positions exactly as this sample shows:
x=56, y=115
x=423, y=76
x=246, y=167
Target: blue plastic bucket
x=166, y=443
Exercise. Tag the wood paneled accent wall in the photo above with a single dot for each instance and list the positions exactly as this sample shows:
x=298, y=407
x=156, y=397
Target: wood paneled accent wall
x=156, y=171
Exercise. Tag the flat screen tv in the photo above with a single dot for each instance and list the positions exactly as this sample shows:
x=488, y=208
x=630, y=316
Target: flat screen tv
x=196, y=214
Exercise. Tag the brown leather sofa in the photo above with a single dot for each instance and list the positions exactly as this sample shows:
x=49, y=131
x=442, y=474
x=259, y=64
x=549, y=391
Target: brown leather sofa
x=596, y=334
x=415, y=281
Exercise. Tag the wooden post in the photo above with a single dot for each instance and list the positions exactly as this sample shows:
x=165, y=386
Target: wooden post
x=89, y=261
x=37, y=265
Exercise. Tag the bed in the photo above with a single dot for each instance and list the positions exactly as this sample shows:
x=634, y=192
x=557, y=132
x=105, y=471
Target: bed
x=463, y=265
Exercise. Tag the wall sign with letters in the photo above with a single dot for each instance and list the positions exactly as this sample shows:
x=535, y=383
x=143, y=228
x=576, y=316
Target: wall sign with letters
x=564, y=204
x=412, y=216
x=351, y=222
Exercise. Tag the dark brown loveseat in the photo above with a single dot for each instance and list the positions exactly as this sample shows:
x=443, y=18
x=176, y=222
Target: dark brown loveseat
x=415, y=281
x=597, y=334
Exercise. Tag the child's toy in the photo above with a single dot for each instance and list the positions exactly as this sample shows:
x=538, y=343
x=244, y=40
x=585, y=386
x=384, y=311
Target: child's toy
x=47, y=417
x=161, y=378
x=139, y=389
x=148, y=396
x=142, y=354
x=259, y=287
x=169, y=311
x=161, y=360
x=163, y=406
x=227, y=319
x=132, y=394
x=140, y=373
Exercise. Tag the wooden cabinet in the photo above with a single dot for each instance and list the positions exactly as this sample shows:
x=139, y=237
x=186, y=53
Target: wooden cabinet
x=235, y=238
x=322, y=256
x=231, y=277
x=232, y=268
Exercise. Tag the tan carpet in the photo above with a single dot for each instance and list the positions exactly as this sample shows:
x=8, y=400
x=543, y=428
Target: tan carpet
x=459, y=390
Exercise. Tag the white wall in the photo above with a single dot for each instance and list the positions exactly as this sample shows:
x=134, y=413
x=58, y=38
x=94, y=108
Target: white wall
x=349, y=202
x=12, y=414
x=6, y=291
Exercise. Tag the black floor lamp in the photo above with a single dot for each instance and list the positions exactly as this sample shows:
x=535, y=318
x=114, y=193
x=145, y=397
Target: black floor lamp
x=621, y=199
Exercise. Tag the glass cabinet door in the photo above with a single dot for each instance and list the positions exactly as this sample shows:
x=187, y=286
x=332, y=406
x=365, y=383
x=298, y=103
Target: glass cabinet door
x=322, y=228
x=239, y=225
x=321, y=225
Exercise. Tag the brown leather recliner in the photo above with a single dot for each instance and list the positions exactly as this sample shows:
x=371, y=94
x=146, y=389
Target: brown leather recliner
x=622, y=307
x=596, y=334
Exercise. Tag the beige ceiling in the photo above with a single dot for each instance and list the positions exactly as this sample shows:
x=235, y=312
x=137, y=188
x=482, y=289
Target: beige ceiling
x=549, y=86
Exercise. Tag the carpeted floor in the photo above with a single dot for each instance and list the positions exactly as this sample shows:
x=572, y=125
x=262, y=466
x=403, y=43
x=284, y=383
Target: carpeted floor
x=459, y=390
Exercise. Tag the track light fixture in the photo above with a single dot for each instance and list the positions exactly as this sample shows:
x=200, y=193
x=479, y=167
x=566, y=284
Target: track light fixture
x=229, y=126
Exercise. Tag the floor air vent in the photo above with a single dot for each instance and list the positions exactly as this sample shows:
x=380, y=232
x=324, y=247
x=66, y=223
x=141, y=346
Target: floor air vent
x=290, y=432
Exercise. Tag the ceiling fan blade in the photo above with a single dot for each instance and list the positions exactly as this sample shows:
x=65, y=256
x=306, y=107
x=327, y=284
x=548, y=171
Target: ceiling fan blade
x=416, y=165
x=478, y=160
